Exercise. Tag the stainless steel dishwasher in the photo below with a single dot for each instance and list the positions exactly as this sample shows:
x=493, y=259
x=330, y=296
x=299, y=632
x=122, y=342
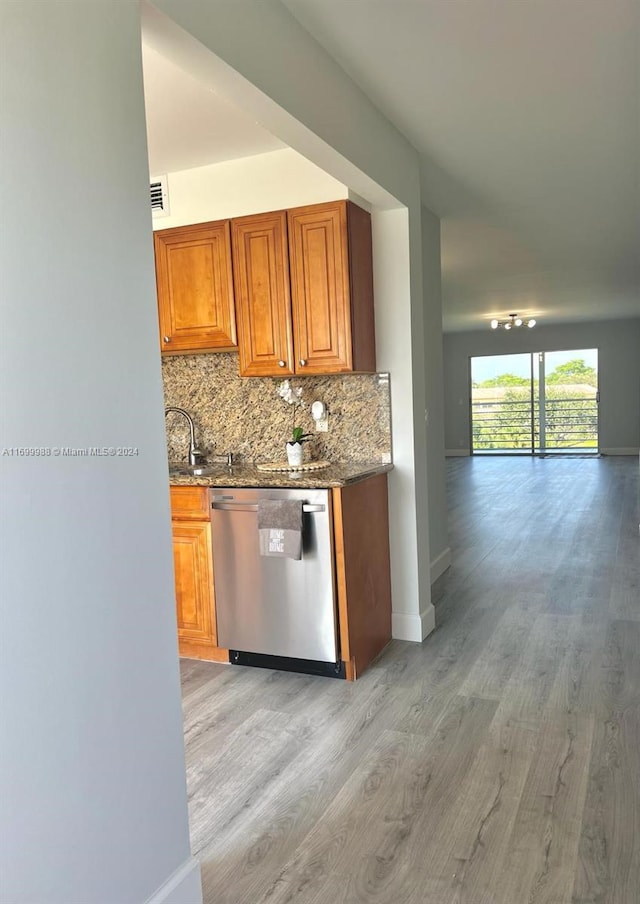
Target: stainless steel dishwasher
x=275, y=612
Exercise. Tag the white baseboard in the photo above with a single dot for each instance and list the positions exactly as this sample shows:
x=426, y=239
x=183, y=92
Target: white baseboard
x=413, y=627
x=440, y=564
x=428, y=621
x=182, y=887
x=628, y=451
x=453, y=453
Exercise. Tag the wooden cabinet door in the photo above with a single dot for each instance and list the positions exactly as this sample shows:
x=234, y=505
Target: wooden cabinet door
x=193, y=566
x=194, y=588
x=318, y=249
x=263, y=306
x=195, y=288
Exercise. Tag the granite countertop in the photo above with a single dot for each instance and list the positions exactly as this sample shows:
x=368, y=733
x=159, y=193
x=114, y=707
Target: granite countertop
x=247, y=475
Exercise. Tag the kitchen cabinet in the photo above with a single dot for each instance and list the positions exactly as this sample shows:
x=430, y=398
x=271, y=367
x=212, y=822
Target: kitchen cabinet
x=331, y=288
x=358, y=565
x=304, y=291
x=363, y=571
x=263, y=301
x=195, y=288
x=195, y=601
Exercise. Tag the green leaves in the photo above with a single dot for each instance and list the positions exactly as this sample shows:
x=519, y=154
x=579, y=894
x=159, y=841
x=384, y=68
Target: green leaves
x=298, y=436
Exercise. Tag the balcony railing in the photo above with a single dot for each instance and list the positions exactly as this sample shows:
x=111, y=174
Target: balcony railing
x=513, y=425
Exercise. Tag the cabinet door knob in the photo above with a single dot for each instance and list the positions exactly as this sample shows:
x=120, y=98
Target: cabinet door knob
x=303, y=362
x=166, y=338
x=282, y=363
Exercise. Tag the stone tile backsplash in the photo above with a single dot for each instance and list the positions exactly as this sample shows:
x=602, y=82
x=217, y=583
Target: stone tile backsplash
x=247, y=417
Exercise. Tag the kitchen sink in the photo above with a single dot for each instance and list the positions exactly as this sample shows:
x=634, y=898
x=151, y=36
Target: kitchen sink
x=183, y=469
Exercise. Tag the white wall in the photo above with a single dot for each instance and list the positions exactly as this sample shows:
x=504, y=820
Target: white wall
x=93, y=782
x=618, y=342
x=440, y=553
x=392, y=285
x=274, y=181
x=258, y=56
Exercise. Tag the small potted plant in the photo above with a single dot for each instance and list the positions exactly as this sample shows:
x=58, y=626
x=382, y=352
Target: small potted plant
x=294, y=446
x=295, y=452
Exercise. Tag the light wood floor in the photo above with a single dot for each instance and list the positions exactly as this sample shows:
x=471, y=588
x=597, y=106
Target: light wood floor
x=497, y=763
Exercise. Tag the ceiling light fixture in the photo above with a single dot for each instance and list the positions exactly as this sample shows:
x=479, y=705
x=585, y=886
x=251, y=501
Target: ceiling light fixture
x=514, y=321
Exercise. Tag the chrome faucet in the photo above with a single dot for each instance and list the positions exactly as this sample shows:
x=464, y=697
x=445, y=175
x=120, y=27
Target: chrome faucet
x=195, y=455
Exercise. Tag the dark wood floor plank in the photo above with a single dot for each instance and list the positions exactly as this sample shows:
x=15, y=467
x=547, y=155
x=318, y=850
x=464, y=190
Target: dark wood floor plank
x=214, y=709
x=526, y=693
x=374, y=831
x=501, y=655
x=608, y=870
x=539, y=863
x=194, y=674
x=608, y=866
x=624, y=599
x=231, y=777
x=577, y=682
x=238, y=865
x=620, y=684
x=473, y=837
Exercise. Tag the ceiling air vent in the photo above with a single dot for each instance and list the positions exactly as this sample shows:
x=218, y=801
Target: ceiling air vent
x=159, y=192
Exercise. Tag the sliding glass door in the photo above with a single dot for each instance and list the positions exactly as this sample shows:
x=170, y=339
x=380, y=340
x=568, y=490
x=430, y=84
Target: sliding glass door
x=567, y=401
x=544, y=403
x=502, y=404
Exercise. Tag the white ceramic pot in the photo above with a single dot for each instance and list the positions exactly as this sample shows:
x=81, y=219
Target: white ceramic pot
x=294, y=454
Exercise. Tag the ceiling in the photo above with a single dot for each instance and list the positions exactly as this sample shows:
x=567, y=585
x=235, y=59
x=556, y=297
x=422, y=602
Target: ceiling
x=188, y=125
x=526, y=118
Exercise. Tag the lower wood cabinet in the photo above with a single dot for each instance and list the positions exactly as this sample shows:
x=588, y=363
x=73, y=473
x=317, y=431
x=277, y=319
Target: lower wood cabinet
x=195, y=600
x=362, y=572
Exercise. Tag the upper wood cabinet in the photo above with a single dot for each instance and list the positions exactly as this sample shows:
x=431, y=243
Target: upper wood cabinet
x=304, y=291
x=263, y=303
x=332, y=288
x=195, y=288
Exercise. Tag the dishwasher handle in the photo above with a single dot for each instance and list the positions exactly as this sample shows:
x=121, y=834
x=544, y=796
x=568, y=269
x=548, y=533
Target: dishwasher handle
x=253, y=507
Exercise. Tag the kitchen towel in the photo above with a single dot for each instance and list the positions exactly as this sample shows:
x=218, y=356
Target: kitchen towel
x=280, y=528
